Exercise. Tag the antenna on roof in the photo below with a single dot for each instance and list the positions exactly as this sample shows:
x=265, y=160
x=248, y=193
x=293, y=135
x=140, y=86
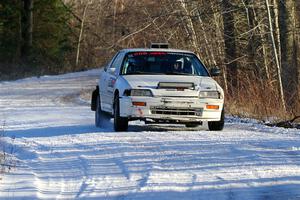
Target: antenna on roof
x=159, y=45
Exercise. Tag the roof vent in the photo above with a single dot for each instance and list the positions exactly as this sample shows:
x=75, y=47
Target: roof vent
x=159, y=45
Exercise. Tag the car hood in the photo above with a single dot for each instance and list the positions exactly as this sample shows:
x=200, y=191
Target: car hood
x=151, y=82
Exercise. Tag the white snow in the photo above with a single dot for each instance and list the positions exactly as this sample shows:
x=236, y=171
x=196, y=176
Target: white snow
x=56, y=152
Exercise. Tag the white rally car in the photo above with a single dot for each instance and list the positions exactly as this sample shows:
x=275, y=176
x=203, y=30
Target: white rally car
x=158, y=86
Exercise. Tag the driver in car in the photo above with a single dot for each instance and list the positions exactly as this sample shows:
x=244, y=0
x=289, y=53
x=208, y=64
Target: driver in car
x=177, y=67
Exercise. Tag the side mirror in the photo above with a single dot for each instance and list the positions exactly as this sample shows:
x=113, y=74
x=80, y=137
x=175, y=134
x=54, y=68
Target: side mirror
x=111, y=70
x=215, y=71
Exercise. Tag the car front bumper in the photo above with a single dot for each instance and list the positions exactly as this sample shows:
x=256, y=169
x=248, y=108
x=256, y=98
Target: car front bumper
x=176, y=109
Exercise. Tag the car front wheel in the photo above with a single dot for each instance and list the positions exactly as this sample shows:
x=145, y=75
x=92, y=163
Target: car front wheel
x=217, y=125
x=120, y=123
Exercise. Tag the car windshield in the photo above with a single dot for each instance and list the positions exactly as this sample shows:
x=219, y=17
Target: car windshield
x=171, y=63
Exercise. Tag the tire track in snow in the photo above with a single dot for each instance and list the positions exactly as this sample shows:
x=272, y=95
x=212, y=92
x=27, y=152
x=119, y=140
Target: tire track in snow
x=85, y=177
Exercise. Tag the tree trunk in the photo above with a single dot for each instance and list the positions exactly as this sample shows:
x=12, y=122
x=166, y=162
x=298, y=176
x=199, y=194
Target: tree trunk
x=252, y=39
x=81, y=33
x=297, y=34
x=209, y=51
x=277, y=28
x=26, y=29
x=287, y=23
x=190, y=27
x=219, y=42
x=263, y=43
x=276, y=56
x=230, y=46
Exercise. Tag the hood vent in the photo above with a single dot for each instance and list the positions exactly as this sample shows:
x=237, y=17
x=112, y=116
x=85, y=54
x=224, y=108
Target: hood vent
x=175, y=85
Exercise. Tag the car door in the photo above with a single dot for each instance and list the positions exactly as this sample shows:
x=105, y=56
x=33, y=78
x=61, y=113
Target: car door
x=103, y=84
x=112, y=74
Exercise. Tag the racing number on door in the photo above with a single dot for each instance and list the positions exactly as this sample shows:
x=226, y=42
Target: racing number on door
x=111, y=82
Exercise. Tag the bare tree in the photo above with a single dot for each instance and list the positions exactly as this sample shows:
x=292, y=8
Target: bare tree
x=230, y=46
x=81, y=31
x=276, y=56
x=289, y=55
x=190, y=26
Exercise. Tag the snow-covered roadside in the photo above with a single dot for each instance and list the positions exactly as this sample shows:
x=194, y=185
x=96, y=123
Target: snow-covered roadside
x=59, y=154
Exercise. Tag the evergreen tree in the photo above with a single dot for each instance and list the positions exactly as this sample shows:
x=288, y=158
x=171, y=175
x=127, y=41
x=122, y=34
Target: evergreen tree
x=34, y=36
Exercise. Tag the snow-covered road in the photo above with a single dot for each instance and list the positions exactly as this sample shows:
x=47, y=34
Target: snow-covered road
x=57, y=153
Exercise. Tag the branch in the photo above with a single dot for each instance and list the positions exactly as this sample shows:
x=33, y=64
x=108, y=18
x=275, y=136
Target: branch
x=71, y=12
x=286, y=124
x=131, y=34
x=296, y=117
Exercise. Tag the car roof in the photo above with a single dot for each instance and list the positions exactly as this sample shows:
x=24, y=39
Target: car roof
x=155, y=50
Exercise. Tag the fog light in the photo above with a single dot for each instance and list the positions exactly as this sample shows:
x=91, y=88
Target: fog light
x=137, y=103
x=212, y=107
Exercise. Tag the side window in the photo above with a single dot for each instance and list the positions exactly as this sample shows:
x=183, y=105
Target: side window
x=111, y=61
x=126, y=68
x=116, y=64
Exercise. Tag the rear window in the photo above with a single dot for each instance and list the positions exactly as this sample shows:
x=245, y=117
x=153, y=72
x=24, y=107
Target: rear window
x=170, y=63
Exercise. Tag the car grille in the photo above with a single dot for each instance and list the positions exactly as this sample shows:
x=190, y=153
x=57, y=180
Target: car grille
x=176, y=111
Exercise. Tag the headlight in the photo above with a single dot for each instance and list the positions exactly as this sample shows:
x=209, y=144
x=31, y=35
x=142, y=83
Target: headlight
x=138, y=92
x=210, y=94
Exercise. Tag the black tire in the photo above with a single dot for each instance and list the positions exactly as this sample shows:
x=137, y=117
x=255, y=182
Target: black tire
x=191, y=125
x=217, y=125
x=120, y=123
x=94, y=99
x=100, y=117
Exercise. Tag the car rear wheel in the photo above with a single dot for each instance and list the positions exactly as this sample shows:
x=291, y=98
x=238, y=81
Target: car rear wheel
x=120, y=123
x=217, y=125
x=98, y=112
